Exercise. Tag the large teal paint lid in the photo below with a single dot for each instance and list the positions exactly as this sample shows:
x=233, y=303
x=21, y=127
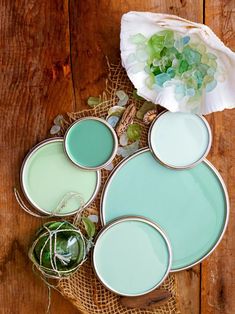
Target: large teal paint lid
x=91, y=143
x=190, y=205
x=132, y=256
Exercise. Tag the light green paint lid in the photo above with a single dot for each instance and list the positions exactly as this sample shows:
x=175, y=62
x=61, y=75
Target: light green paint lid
x=190, y=205
x=90, y=143
x=131, y=257
x=48, y=177
x=180, y=140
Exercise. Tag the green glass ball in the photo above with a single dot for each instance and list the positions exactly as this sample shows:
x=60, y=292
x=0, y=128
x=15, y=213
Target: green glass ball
x=59, y=248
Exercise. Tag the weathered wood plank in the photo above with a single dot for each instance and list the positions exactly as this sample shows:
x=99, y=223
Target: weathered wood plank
x=35, y=86
x=95, y=29
x=218, y=272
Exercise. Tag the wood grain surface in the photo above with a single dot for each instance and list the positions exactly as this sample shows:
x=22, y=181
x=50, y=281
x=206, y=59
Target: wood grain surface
x=53, y=57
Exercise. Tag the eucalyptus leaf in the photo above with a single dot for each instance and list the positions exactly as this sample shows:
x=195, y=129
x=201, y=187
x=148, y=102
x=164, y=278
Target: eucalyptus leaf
x=89, y=227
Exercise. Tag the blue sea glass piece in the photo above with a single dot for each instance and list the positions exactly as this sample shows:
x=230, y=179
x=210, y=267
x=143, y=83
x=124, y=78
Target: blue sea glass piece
x=186, y=40
x=162, y=78
x=192, y=56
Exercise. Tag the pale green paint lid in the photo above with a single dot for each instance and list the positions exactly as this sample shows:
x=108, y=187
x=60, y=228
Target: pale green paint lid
x=48, y=175
x=131, y=257
x=180, y=139
x=190, y=205
x=90, y=143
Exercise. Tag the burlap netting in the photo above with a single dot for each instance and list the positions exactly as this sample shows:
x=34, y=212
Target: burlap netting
x=83, y=289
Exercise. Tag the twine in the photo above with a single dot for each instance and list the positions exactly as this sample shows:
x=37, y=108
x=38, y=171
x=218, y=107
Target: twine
x=62, y=204
x=52, y=236
x=42, y=270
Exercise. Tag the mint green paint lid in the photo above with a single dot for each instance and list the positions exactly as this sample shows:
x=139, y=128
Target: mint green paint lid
x=52, y=184
x=180, y=140
x=91, y=143
x=191, y=205
x=132, y=256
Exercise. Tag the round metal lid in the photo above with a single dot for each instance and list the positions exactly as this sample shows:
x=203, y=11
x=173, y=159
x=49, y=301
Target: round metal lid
x=91, y=143
x=132, y=256
x=48, y=179
x=179, y=140
x=191, y=205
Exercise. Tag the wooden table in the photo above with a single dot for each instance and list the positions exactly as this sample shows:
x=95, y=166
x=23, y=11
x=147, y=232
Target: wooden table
x=52, y=59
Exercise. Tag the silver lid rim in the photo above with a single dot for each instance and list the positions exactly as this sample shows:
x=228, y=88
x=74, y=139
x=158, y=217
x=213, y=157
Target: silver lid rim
x=152, y=224
x=115, y=148
x=189, y=166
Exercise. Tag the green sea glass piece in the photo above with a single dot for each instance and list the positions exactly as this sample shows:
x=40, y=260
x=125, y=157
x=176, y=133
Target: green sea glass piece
x=162, y=78
x=93, y=101
x=170, y=57
x=183, y=67
x=134, y=132
x=192, y=56
x=138, y=39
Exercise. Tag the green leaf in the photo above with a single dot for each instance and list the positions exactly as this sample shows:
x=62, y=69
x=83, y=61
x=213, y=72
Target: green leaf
x=93, y=101
x=89, y=227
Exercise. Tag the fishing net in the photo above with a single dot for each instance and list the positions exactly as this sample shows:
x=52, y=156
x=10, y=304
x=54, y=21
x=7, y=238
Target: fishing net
x=83, y=289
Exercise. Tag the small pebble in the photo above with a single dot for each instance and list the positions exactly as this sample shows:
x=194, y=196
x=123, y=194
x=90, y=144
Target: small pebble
x=58, y=119
x=123, y=140
x=93, y=218
x=121, y=94
x=123, y=102
x=109, y=167
x=55, y=129
x=128, y=150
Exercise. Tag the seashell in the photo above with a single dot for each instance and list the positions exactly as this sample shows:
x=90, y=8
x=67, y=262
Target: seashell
x=150, y=116
x=187, y=67
x=147, y=105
